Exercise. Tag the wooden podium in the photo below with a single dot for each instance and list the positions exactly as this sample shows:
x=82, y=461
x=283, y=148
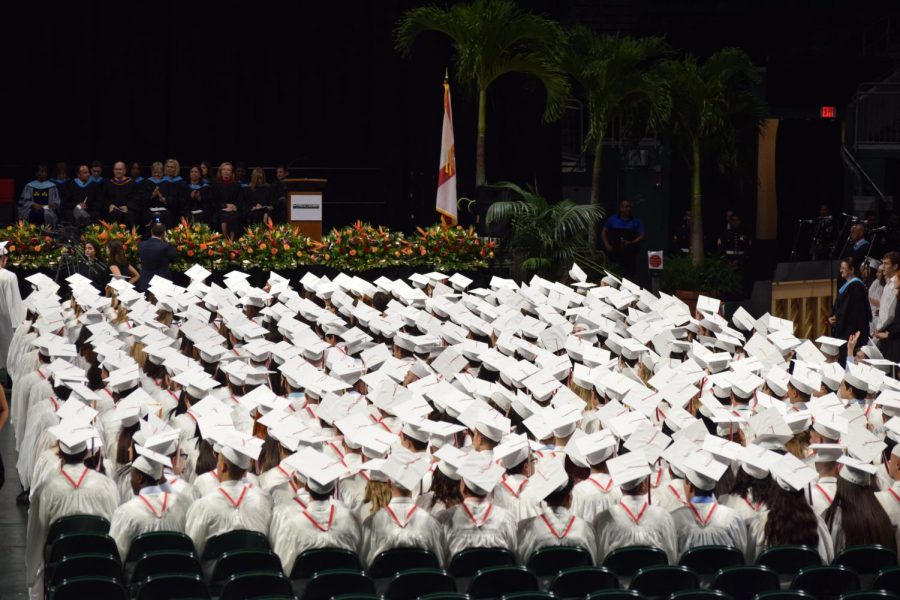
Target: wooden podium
x=304, y=205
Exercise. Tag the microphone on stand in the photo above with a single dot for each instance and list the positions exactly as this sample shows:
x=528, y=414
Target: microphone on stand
x=879, y=229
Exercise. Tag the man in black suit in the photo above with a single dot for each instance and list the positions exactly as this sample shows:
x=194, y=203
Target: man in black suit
x=156, y=254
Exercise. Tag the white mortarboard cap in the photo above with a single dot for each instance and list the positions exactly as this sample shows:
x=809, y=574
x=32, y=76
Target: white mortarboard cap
x=651, y=440
x=512, y=451
x=757, y=461
x=549, y=476
x=596, y=447
x=829, y=345
x=863, y=445
x=827, y=452
x=856, y=471
x=791, y=473
x=150, y=462
x=75, y=437
x=703, y=470
x=480, y=473
x=629, y=470
x=745, y=384
x=240, y=449
x=406, y=469
x=805, y=380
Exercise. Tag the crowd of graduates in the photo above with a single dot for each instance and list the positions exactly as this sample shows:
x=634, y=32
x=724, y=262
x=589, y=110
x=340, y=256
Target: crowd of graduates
x=426, y=413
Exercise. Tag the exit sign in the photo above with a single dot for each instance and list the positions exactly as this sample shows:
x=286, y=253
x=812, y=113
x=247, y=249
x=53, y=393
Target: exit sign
x=828, y=112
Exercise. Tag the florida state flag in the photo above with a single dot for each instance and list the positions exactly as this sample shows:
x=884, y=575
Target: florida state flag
x=446, y=191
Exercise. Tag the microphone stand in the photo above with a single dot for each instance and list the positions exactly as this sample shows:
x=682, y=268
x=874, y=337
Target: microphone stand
x=817, y=230
x=797, y=229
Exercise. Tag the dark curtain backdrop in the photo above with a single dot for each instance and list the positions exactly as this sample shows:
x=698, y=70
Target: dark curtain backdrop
x=316, y=85
x=808, y=173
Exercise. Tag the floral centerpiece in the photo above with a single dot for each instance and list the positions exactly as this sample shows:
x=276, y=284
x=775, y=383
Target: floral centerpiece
x=30, y=246
x=197, y=243
x=452, y=248
x=361, y=247
x=272, y=247
x=102, y=233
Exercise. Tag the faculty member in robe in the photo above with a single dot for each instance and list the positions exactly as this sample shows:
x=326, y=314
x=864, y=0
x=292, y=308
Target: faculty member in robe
x=851, y=312
x=40, y=200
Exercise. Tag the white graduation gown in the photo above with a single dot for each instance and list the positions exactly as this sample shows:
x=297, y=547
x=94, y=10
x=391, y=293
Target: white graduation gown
x=19, y=346
x=233, y=505
x=745, y=507
x=480, y=524
x=555, y=526
x=73, y=490
x=320, y=524
x=890, y=500
x=353, y=491
x=273, y=477
x=36, y=439
x=187, y=493
x=641, y=524
x=402, y=524
x=821, y=494
x=11, y=311
x=27, y=359
x=153, y=509
x=709, y=524
x=757, y=533
x=670, y=495
x=507, y=495
x=594, y=495
x=209, y=481
x=19, y=401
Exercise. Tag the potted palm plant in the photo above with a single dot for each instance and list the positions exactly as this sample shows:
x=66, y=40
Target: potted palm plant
x=546, y=238
x=622, y=83
x=710, y=102
x=493, y=38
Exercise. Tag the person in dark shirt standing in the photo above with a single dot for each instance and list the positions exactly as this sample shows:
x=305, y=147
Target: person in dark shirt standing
x=858, y=246
x=156, y=255
x=622, y=234
x=120, y=196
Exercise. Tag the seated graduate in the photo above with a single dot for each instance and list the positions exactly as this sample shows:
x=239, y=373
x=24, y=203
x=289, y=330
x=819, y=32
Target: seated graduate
x=323, y=523
x=40, y=200
x=234, y=504
x=556, y=525
x=703, y=521
x=787, y=518
x=634, y=521
x=856, y=517
x=155, y=506
x=75, y=490
x=596, y=493
x=401, y=523
x=478, y=522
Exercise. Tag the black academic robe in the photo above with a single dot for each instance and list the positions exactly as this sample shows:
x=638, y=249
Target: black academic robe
x=851, y=308
x=230, y=192
x=171, y=191
x=87, y=193
x=262, y=195
x=197, y=204
x=122, y=192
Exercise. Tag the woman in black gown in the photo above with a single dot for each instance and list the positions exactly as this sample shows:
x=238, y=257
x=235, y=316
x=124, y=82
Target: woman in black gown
x=851, y=312
x=228, y=199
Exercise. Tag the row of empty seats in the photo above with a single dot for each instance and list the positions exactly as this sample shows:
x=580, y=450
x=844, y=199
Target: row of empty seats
x=82, y=561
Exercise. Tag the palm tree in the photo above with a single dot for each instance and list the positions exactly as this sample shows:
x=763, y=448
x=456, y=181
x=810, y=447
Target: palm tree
x=622, y=83
x=711, y=102
x=492, y=38
x=546, y=238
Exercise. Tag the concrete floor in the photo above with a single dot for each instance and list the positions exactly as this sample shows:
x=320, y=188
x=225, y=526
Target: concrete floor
x=12, y=524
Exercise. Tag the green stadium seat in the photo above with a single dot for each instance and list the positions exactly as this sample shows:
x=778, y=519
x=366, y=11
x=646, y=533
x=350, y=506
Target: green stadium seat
x=888, y=580
x=390, y=562
x=581, y=581
x=309, y=562
x=468, y=562
x=155, y=541
x=625, y=562
x=164, y=562
x=788, y=560
x=83, y=565
x=494, y=582
x=74, y=524
x=242, y=561
x=337, y=582
x=699, y=595
x=172, y=586
x=82, y=543
x=553, y=559
x=746, y=581
x=826, y=581
x=257, y=585
x=81, y=588
x=409, y=585
x=240, y=539
x=707, y=560
x=660, y=581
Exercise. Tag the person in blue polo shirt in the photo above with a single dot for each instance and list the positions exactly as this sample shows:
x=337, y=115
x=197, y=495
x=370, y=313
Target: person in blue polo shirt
x=622, y=235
